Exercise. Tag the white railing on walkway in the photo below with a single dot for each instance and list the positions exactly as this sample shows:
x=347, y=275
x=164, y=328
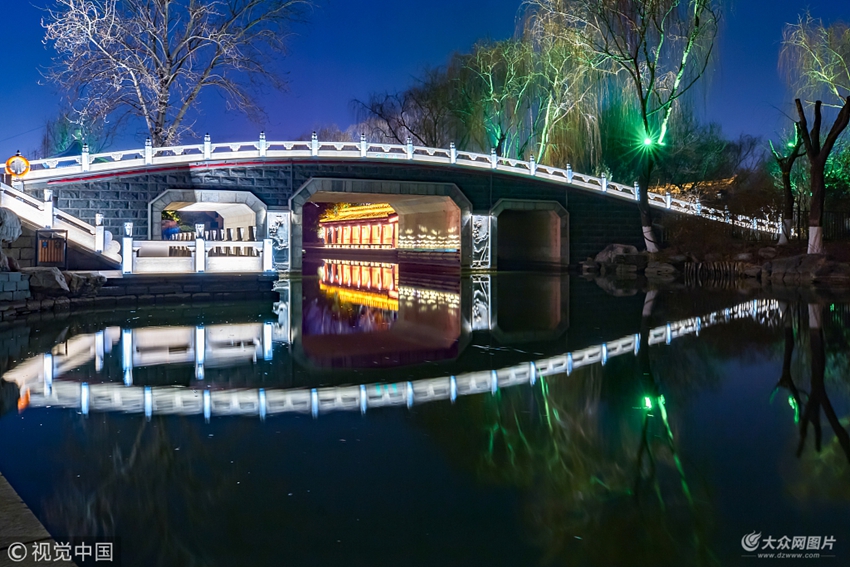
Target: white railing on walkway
x=42, y=214
x=181, y=256
x=186, y=401
x=118, y=161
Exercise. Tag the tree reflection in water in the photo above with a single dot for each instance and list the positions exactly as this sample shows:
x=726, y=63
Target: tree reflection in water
x=818, y=398
x=824, y=473
x=142, y=477
x=604, y=481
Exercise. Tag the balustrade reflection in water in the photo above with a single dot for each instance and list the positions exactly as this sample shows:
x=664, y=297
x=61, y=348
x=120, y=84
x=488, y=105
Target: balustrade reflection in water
x=572, y=439
x=336, y=331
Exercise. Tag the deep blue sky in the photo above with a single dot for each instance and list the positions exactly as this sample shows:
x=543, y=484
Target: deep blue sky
x=352, y=47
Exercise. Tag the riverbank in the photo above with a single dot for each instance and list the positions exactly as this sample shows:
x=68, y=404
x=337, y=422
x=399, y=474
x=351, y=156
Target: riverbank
x=18, y=525
x=108, y=290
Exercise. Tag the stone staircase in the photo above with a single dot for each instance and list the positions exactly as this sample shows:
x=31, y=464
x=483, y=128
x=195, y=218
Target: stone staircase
x=82, y=236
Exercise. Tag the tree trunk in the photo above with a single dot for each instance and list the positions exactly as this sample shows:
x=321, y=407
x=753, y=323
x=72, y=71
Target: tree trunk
x=649, y=237
x=788, y=208
x=816, y=212
x=788, y=352
x=786, y=380
x=818, y=398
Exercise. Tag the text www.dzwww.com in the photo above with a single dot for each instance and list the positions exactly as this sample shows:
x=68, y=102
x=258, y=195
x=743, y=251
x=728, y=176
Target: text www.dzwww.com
x=788, y=555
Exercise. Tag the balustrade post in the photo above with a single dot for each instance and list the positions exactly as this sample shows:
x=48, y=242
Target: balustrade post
x=409, y=148
x=699, y=208
x=268, y=264
x=200, y=250
x=726, y=216
x=364, y=146
x=262, y=145
x=207, y=146
x=200, y=351
x=604, y=180
x=755, y=224
x=48, y=208
x=148, y=151
x=668, y=199
x=98, y=233
x=127, y=249
x=452, y=153
x=494, y=159
x=532, y=166
x=637, y=191
x=569, y=173
x=84, y=159
x=314, y=145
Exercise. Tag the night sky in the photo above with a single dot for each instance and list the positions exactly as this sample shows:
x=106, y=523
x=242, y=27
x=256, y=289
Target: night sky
x=353, y=47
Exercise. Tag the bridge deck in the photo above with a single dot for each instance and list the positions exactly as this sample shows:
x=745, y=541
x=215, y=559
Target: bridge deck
x=263, y=152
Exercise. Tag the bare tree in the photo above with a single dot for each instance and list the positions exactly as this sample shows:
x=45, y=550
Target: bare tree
x=151, y=59
x=699, y=160
x=329, y=133
x=817, y=61
x=663, y=47
x=423, y=113
x=785, y=163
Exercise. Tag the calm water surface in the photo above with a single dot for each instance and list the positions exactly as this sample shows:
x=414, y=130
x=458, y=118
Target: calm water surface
x=376, y=418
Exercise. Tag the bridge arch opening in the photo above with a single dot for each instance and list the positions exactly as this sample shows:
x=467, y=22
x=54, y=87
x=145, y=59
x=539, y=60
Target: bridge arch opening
x=395, y=221
x=530, y=235
x=226, y=215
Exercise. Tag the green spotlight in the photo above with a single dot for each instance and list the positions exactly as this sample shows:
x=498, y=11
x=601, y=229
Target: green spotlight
x=793, y=403
x=647, y=403
x=647, y=141
x=791, y=144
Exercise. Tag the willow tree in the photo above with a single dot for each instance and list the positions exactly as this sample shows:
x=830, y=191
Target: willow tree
x=817, y=61
x=152, y=59
x=659, y=49
x=495, y=88
x=564, y=109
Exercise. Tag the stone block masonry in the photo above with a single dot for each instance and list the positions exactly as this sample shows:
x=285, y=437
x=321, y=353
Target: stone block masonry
x=596, y=220
x=23, y=249
x=14, y=286
x=126, y=198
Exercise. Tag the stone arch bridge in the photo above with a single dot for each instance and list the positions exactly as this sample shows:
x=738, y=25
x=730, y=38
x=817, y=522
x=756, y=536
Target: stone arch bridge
x=493, y=212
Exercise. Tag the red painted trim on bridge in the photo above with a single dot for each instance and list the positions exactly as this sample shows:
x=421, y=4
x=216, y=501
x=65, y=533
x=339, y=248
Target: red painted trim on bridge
x=165, y=169
x=224, y=164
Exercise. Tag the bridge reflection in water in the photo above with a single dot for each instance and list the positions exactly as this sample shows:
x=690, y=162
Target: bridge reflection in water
x=361, y=317
x=425, y=322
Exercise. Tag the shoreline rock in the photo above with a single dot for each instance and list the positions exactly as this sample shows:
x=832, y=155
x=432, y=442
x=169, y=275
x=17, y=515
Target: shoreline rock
x=620, y=263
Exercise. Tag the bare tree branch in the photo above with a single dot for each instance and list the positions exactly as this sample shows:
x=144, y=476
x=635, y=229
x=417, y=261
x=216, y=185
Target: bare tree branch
x=152, y=59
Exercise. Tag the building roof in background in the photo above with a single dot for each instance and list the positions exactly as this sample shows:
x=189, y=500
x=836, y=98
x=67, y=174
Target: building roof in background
x=346, y=212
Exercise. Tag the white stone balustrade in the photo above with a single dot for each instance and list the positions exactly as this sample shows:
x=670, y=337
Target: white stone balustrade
x=55, y=168
x=181, y=256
